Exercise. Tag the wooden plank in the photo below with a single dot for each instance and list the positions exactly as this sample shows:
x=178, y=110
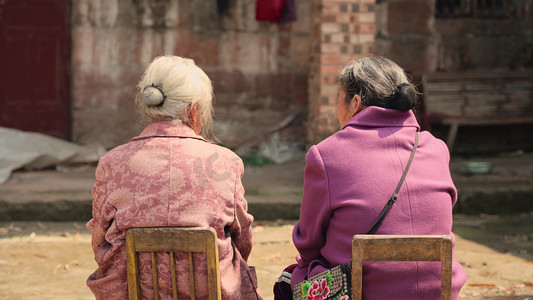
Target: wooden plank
x=488, y=120
x=515, y=110
x=479, y=98
x=173, y=239
x=132, y=261
x=446, y=268
x=441, y=98
x=440, y=87
x=486, y=86
x=401, y=248
x=521, y=97
x=446, y=109
x=357, y=269
x=413, y=248
x=149, y=239
x=497, y=74
x=518, y=86
x=480, y=111
x=479, y=94
x=213, y=270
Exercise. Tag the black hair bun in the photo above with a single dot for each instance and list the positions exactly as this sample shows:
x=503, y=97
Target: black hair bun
x=403, y=98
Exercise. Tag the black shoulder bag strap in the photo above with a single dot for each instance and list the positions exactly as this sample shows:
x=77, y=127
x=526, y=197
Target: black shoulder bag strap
x=392, y=199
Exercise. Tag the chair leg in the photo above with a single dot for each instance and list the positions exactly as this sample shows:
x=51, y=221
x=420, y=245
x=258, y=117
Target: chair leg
x=357, y=269
x=446, y=269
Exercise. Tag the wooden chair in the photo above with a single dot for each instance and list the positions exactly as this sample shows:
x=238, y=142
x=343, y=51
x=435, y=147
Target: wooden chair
x=172, y=240
x=402, y=248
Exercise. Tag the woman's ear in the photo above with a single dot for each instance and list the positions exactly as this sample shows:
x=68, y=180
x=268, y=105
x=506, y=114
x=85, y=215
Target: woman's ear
x=192, y=114
x=356, y=105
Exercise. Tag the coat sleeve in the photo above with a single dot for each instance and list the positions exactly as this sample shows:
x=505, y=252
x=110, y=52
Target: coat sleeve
x=446, y=154
x=102, y=213
x=105, y=282
x=241, y=229
x=309, y=235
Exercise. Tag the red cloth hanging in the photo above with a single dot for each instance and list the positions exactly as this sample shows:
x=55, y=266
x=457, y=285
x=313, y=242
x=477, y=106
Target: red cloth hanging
x=269, y=10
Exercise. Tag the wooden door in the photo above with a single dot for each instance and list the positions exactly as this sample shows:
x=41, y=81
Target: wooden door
x=34, y=66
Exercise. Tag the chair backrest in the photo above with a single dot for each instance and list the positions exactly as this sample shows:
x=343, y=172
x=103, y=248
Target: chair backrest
x=402, y=248
x=172, y=240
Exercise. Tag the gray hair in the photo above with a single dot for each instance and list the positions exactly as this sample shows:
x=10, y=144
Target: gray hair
x=378, y=81
x=169, y=86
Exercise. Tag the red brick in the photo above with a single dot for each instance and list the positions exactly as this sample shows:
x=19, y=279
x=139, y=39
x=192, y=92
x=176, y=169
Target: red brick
x=330, y=8
x=331, y=59
x=330, y=27
x=368, y=17
x=328, y=79
x=367, y=28
x=330, y=48
x=343, y=18
x=337, y=38
x=329, y=90
x=365, y=38
x=329, y=69
x=329, y=18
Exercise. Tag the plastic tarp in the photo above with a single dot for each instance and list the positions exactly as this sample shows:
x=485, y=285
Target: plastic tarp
x=33, y=151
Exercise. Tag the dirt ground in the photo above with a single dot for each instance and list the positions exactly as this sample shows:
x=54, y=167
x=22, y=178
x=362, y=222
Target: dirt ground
x=52, y=260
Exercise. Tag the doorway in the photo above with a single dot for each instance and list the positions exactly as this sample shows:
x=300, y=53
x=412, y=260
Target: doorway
x=35, y=66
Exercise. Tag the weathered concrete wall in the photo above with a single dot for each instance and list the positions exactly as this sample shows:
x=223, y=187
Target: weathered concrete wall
x=409, y=32
x=259, y=70
x=264, y=72
x=405, y=33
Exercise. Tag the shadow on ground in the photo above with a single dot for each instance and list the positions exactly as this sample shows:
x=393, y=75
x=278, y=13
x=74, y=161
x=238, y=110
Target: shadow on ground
x=511, y=234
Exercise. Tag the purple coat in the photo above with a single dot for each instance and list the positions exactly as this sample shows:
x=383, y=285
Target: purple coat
x=169, y=176
x=348, y=179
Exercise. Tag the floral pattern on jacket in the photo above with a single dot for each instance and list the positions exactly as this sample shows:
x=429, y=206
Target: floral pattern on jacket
x=170, y=176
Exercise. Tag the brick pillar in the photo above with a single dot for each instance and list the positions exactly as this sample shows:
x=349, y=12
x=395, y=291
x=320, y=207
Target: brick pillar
x=341, y=30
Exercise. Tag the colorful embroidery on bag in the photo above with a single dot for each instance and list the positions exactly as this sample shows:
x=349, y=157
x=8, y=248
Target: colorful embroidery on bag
x=333, y=284
x=314, y=291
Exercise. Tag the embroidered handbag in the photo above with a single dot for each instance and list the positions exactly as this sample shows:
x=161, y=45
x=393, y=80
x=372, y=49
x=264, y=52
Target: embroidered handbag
x=336, y=283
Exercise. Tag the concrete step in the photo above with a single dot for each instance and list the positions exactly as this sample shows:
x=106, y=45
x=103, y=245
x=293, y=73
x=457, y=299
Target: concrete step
x=273, y=192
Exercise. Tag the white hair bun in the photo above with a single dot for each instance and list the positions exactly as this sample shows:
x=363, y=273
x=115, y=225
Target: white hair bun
x=152, y=95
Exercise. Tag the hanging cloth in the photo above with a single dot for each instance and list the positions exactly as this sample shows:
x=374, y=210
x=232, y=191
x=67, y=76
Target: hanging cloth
x=288, y=13
x=222, y=6
x=269, y=10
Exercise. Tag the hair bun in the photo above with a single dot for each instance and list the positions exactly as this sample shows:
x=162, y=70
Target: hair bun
x=152, y=95
x=403, y=98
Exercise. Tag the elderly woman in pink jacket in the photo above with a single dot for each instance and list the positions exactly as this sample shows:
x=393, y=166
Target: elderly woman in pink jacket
x=171, y=175
x=350, y=176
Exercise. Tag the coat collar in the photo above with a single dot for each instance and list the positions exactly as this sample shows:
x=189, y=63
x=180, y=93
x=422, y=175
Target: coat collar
x=168, y=129
x=374, y=116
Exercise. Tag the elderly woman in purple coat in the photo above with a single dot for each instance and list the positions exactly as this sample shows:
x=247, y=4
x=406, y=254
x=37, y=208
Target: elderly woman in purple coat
x=350, y=176
x=171, y=175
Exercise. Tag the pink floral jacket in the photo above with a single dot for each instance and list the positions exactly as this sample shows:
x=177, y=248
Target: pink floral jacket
x=169, y=176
